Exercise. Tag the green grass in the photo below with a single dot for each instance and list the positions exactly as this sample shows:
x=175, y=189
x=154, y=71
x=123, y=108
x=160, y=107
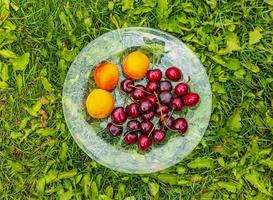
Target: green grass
x=234, y=159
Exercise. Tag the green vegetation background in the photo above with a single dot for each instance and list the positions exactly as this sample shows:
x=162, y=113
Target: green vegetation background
x=39, y=40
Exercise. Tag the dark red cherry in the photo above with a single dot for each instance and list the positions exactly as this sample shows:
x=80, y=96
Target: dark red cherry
x=139, y=92
x=159, y=136
x=173, y=73
x=181, y=89
x=133, y=125
x=165, y=97
x=165, y=86
x=145, y=106
x=132, y=110
x=152, y=86
x=176, y=103
x=114, y=130
x=130, y=138
x=146, y=127
x=148, y=116
x=154, y=75
x=180, y=124
x=144, y=142
x=166, y=122
x=126, y=85
x=191, y=99
x=162, y=109
x=118, y=115
x=152, y=98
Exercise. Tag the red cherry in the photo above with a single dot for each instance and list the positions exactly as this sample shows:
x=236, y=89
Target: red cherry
x=165, y=97
x=154, y=75
x=148, y=116
x=181, y=89
x=139, y=92
x=146, y=127
x=130, y=138
x=159, y=136
x=126, y=85
x=165, y=86
x=191, y=99
x=132, y=110
x=181, y=125
x=162, y=109
x=152, y=98
x=133, y=125
x=114, y=130
x=173, y=73
x=152, y=86
x=144, y=142
x=145, y=106
x=118, y=115
x=177, y=103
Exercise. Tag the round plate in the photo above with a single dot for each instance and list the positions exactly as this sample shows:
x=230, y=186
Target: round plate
x=166, y=51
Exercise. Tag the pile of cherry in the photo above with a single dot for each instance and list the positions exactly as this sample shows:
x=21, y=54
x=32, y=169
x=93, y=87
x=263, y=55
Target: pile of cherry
x=157, y=99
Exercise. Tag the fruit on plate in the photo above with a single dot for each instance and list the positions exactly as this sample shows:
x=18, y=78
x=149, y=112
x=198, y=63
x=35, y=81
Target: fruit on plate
x=173, y=73
x=156, y=100
x=159, y=136
x=118, y=115
x=191, y=99
x=180, y=124
x=99, y=103
x=114, y=130
x=130, y=138
x=106, y=76
x=144, y=142
x=154, y=75
x=135, y=65
x=181, y=89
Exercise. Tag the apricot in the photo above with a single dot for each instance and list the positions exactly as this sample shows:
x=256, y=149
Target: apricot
x=106, y=76
x=100, y=103
x=135, y=65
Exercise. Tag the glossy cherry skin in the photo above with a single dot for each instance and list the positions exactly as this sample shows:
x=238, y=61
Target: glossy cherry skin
x=162, y=109
x=114, y=130
x=132, y=110
x=176, y=103
x=173, y=73
x=146, y=127
x=145, y=106
x=148, y=116
x=165, y=97
x=166, y=122
x=133, y=125
x=152, y=98
x=126, y=85
x=159, y=136
x=191, y=99
x=139, y=92
x=118, y=115
x=144, y=142
x=130, y=138
x=165, y=86
x=152, y=86
x=181, y=89
x=154, y=75
x=180, y=124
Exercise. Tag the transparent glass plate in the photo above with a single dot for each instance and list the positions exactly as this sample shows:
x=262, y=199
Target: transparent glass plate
x=89, y=134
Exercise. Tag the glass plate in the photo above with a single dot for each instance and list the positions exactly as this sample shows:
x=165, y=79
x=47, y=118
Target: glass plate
x=90, y=135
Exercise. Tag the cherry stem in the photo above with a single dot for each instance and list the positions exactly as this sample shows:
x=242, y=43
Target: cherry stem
x=139, y=89
x=119, y=125
x=153, y=128
x=189, y=79
x=165, y=122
